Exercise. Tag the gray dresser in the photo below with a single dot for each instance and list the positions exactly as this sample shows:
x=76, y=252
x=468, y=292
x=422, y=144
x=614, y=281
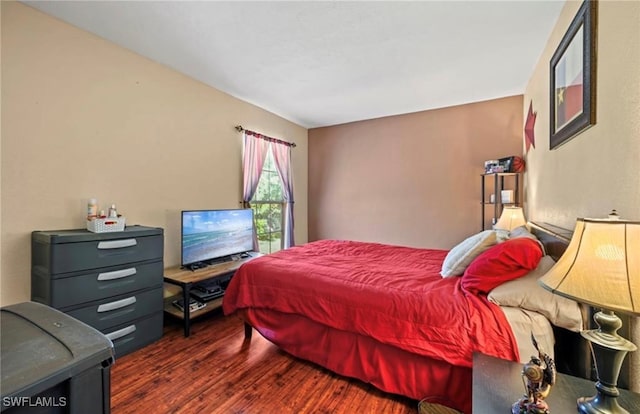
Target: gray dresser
x=111, y=281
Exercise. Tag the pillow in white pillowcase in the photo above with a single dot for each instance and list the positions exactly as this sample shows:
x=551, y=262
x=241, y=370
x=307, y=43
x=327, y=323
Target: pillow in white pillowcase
x=461, y=255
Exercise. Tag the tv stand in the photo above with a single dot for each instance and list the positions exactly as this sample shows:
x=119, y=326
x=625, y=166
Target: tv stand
x=187, y=277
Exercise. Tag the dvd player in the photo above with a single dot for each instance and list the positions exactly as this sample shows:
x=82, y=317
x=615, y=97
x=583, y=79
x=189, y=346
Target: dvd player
x=207, y=292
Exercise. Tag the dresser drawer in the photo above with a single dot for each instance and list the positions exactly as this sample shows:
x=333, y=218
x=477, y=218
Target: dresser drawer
x=121, y=309
x=134, y=335
x=96, y=284
x=57, y=253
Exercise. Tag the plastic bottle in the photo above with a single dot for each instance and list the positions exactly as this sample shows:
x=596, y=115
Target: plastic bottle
x=92, y=209
x=113, y=213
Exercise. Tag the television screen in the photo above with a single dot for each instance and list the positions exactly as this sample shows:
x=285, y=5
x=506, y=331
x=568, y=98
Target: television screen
x=214, y=234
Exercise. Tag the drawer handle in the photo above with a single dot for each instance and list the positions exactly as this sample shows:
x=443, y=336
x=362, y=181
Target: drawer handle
x=116, y=244
x=121, y=332
x=107, y=307
x=117, y=274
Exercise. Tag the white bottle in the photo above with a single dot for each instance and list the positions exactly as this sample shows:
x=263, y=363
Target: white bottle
x=113, y=213
x=92, y=209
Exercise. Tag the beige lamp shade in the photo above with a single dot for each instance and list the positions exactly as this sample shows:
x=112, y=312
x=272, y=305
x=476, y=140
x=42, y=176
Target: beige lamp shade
x=601, y=266
x=510, y=218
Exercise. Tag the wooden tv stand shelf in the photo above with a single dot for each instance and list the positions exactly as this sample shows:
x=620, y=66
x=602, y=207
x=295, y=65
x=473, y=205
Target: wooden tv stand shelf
x=186, y=279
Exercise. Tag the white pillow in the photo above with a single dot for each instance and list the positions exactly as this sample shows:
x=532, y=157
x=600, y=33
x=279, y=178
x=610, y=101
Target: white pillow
x=463, y=254
x=522, y=231
x=501, y=235
x=526, y=293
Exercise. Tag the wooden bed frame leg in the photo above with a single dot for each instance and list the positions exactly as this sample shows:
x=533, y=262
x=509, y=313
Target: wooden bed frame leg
x=248, y=330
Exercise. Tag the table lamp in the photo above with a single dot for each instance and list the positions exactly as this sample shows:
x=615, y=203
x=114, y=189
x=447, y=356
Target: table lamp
x=601, y=268
x=510, y=218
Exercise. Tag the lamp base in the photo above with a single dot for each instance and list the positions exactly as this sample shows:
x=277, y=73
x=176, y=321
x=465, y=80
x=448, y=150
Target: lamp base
x=609, y=350
x=600, y=404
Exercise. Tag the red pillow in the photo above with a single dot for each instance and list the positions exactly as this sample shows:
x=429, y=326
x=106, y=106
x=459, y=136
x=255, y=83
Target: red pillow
x=503, y=262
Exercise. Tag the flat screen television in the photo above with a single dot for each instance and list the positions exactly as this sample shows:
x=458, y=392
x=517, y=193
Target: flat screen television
x=215, y=235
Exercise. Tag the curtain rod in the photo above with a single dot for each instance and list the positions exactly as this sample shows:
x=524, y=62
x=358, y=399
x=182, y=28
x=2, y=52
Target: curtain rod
x=266, y=138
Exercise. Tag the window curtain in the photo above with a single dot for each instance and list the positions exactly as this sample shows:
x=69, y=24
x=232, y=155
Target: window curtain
x=254, y=153
x=282, y=159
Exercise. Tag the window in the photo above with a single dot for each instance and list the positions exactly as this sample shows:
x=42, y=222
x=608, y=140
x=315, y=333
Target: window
x=268, y=206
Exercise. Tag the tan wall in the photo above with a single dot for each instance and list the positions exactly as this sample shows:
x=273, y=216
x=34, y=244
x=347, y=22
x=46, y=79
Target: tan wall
x=82, y=117
x=1, y=214
x=597, y=170
x=411, y=179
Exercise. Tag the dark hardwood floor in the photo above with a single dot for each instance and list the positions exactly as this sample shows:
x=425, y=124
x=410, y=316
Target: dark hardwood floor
x=216, y=371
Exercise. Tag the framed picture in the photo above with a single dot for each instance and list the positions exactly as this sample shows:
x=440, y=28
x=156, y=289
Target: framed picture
x=573, y=78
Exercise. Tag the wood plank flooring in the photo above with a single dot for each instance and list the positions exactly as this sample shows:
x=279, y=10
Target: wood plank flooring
x=215, y=371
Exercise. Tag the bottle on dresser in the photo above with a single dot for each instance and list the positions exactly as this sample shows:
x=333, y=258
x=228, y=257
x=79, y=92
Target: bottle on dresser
x=92, y=209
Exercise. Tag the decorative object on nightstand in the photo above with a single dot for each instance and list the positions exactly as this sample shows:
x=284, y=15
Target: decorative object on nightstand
x=511, y=218
x=538, y=375
x=601, y=268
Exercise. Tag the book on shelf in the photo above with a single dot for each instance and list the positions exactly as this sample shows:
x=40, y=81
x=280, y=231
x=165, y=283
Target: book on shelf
x=194, y=304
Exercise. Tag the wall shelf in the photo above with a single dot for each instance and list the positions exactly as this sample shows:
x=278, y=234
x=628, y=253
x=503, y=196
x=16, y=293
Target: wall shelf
x=495, y=183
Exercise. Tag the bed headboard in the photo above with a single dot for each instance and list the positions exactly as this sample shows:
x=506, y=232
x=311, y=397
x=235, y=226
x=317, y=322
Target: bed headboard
x=572, y=354
x=555, y=239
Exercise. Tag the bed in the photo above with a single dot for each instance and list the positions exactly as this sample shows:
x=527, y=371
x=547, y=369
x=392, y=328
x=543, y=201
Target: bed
x=403, y=319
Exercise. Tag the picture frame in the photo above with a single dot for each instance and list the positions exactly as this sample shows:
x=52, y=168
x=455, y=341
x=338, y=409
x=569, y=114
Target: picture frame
x=573, y=78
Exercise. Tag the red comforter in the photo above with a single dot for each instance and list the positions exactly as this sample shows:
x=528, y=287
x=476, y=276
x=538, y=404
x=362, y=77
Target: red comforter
x=392, y=294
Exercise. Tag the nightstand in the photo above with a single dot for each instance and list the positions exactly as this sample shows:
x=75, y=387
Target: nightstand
x=497, y=384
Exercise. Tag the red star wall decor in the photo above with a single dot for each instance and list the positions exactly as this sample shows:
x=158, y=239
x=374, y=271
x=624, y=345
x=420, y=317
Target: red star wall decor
x=529, y=138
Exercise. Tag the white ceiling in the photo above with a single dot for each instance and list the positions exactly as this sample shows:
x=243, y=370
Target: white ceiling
x=325, y=63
